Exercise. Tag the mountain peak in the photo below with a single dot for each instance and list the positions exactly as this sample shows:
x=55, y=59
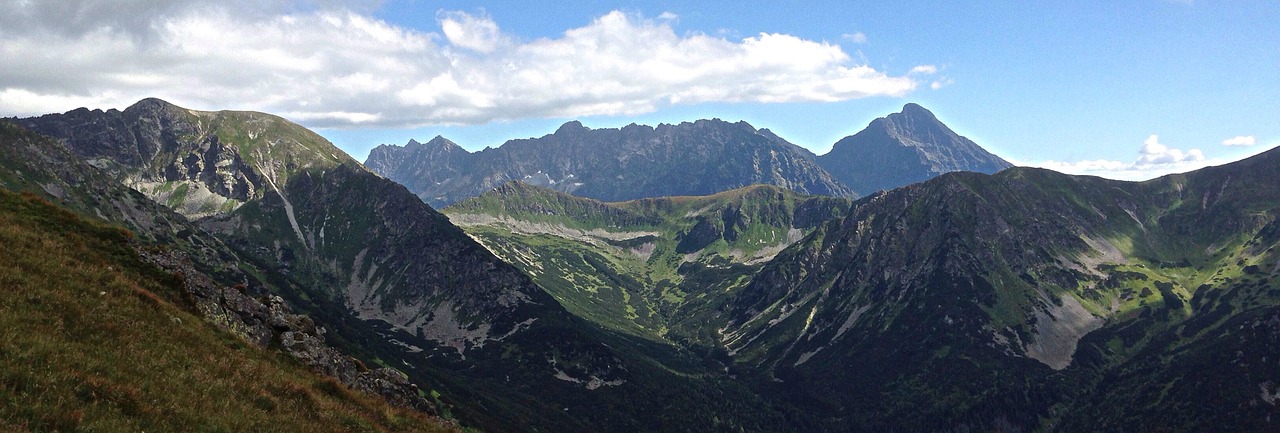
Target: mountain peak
x=152, y=101
x=913, y=122
x=903, y=148
x=914, y=110
x=230, y=157
x=570, y=127
x=443, y=143
x=152, y=105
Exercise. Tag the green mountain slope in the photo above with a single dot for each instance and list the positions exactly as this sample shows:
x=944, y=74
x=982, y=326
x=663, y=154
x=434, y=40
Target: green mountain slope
x=400, y=287
x=652, y=267
x=94, y=338
x=961, y=303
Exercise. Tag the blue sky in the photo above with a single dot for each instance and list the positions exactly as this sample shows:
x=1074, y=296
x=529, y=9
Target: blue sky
x=1123, y=89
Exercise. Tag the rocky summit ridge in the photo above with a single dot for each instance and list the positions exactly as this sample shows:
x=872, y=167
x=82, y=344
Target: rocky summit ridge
x=690, y=158
x=611, y=164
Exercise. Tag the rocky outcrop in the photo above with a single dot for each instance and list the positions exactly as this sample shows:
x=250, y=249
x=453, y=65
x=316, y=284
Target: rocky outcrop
x=265, y=320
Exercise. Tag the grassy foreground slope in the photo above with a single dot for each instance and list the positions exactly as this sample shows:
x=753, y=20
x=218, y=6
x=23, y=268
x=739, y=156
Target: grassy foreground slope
x=94, y=339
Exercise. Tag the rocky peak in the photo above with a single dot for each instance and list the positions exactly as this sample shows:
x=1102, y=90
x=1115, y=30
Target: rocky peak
x=571, y=127
x=440, y=142
x=903, y=148
x=152, y=105
x=914, y=110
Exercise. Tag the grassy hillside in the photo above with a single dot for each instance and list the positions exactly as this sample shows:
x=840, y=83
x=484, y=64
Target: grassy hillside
x=93, y=339
x=1029, y=300
x=653, y=268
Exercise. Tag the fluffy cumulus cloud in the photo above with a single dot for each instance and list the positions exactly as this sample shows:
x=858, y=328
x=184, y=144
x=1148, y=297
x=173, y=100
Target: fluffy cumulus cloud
x=338, y=67
x=1241, y=140
x=1154, y=159
x=468, y=31
x=1154, y=153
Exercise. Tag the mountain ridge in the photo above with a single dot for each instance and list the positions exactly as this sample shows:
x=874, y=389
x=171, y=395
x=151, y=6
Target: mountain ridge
x=611, y=164
x=909, y=147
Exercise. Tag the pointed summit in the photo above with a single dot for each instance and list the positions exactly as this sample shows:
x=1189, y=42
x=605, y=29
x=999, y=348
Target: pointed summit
x=904, y=148
x=915, y=110
x=439, y=142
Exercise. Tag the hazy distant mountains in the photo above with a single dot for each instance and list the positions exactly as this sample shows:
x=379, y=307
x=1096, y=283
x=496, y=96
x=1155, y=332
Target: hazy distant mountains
x=697, y=158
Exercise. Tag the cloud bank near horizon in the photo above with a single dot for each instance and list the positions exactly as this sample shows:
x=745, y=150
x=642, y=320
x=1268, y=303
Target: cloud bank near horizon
x=1155, y=159
x=340, y=67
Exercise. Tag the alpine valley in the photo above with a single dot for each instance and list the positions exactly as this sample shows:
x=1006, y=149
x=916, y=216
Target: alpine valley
x=705, y=276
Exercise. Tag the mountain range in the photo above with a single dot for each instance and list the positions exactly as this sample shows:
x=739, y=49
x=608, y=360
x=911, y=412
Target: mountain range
x=1025, y=300
x=1028, y=300
x=394, y=281
x=691, y=158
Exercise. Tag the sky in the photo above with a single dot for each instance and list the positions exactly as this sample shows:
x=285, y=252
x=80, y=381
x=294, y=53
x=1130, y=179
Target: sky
x=1120, y=89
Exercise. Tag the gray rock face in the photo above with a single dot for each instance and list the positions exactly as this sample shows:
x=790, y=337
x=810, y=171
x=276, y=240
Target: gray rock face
x=904, y=148
x=153, y=141
x=698, y=158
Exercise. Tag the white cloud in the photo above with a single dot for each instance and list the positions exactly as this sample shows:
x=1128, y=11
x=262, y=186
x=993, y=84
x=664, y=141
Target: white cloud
x=857, y=38
x=1241, y=140
x=940, y=83
x=1154, y=153
x=336, y=68
x=467, y=31
x=1154, y=160
x=924, y=69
